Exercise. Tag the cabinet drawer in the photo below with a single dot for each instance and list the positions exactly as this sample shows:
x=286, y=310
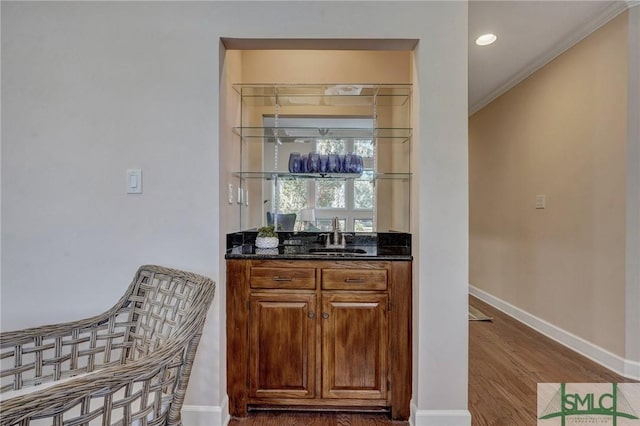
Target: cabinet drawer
x=354, y=279
x=302, y=278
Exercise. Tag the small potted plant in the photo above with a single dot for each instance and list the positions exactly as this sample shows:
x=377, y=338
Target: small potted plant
x=267, y=237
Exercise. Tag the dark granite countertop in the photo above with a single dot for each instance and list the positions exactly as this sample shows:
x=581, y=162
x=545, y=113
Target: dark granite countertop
x=310, y=245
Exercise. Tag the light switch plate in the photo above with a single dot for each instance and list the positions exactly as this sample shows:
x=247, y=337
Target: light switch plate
x=541, y=201
x=240, y=195
x=134, y=181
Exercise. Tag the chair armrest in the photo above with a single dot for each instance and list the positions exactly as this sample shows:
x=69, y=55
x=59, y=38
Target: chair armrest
x=53, y=352
x=141, y=388
x=129, y=360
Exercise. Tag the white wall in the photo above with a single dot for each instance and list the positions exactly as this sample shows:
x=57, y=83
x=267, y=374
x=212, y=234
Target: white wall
x=561, y=132
x=632, y=296
x=440, y=216
x=90, y=89
x=569, y=131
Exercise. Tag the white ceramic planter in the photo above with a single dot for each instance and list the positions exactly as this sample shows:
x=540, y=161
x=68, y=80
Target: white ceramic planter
x=266, y=242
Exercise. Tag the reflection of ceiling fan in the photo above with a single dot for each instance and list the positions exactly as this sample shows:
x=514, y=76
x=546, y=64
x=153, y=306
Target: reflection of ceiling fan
x=324, y=132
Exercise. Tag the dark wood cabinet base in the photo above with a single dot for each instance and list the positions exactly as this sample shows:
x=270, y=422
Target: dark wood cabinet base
x=319, y=335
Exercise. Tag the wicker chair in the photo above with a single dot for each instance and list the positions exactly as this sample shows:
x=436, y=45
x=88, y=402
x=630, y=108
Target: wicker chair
x=128, y=366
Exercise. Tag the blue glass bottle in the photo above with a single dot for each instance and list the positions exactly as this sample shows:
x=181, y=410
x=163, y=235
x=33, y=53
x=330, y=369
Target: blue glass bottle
x=313, y=164
x=294, y=162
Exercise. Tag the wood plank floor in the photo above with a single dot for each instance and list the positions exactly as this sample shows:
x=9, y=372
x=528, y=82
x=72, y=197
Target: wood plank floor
x=506, y=362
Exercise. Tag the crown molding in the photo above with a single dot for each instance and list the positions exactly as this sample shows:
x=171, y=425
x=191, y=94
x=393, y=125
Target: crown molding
x=571, y=40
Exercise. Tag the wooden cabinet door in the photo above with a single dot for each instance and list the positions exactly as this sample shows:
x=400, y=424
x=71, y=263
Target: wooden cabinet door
x=354, y=346
x=282, y=345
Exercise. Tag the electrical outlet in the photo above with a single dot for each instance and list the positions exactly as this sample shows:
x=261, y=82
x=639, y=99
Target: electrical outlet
x=541, y=201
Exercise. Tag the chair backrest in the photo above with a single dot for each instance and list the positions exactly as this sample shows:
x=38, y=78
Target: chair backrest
x=165, y=304
x=286, y=221
x=166, y=310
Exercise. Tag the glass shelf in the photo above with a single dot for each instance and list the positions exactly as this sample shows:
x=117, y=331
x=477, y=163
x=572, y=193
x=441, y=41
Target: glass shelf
x=333, y=176
x=310, y=134
x=324, y=94
x=274, y=117
x=395, y=176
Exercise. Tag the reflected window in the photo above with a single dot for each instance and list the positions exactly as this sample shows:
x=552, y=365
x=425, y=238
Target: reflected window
x=293, y=195
x=331, y=194
x=351, y=200
x=326, y=224
x=363, y=191
x=331, y=146
x=363, y=225
x=364, y=147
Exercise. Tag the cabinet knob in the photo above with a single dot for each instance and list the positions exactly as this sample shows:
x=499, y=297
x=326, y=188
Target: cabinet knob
x=325, y=315
x=311, y=315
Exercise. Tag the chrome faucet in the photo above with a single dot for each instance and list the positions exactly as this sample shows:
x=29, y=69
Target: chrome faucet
x=338, y=237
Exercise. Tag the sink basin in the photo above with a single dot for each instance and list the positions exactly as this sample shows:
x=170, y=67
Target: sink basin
x=337, y=251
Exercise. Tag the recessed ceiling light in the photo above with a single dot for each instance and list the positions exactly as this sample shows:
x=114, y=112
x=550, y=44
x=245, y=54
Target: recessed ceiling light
x=486, y=39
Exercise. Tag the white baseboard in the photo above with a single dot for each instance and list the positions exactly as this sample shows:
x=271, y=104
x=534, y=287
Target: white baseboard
x=439, y=417
x=624, y=367
x=631, y=369
x=206, y=415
